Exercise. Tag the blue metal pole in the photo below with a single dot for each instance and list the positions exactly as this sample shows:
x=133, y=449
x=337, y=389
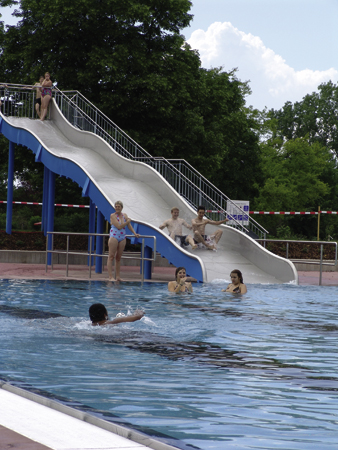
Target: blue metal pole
x=99, y=242
x=44, y=216
x=50, y=219
x=92, y=210
x=10, y=182
x=147, y=264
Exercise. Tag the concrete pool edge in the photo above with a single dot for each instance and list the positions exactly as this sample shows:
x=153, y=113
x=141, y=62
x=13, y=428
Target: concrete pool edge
x=119, y=430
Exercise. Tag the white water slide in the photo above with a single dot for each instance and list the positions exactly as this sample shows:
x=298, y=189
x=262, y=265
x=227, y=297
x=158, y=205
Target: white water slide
x=106, y=176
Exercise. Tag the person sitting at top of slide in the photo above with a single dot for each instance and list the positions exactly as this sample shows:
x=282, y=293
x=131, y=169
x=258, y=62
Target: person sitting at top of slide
x=99, y=316
x=117, y=240
x=198, y=226
x=174, y=226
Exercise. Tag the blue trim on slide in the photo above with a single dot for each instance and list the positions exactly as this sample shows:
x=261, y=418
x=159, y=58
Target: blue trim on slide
x=70, y=170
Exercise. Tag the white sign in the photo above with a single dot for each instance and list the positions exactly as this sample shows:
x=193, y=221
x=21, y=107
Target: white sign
x=238, y=210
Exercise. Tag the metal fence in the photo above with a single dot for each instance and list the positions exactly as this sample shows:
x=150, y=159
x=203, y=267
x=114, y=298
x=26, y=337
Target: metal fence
x=320, y=262
x=90, y=253
x=189, y=183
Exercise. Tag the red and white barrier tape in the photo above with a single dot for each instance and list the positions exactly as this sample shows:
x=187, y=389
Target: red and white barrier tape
x=279, y=212
x=55, y=204
x=293, y=212
x=209, y=211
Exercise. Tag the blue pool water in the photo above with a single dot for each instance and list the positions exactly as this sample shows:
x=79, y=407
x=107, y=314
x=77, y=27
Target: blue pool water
x=210, y=369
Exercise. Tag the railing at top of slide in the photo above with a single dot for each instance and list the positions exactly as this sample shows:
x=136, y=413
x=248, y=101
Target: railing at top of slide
x=19, y=100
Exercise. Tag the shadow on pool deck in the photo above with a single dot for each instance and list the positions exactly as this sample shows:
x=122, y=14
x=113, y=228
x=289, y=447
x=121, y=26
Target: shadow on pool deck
x=128, y=273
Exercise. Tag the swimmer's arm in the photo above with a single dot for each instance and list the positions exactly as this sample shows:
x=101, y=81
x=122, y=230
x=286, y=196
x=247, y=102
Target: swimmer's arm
x=187, y=225
x=217, y=222
x=132, y=318
x=117, y=224
x=132, y=230
x=201, y=225
x=164, y=225
x=47, y=83
x=189, y=287
x=227, y=289
x=243, y=289
x=171, y=286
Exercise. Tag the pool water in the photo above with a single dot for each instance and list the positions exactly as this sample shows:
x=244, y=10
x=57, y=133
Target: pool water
x=211, y=370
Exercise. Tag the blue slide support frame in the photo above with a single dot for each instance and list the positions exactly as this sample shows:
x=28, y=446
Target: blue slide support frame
x=9, y=214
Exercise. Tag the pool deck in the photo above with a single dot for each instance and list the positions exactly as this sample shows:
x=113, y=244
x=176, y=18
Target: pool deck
x=27, y=425
x=128, y=273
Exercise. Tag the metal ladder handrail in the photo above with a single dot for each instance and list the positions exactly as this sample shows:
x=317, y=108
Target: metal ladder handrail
x=148, y=157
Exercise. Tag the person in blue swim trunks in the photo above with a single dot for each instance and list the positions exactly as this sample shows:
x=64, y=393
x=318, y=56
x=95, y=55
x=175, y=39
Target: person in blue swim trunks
x=117, y=240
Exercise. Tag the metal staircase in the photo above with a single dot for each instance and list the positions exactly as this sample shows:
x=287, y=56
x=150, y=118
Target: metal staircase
x=18, y=100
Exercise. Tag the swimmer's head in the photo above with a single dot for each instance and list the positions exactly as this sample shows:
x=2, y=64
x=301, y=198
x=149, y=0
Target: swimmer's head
x=200, y=208
x=174, y=209
x=119, y=203
x=178, y=270
x=98, y=312
x=239, y=274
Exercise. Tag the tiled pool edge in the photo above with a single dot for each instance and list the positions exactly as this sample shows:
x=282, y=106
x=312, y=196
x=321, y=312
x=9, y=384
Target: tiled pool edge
x=116, y=429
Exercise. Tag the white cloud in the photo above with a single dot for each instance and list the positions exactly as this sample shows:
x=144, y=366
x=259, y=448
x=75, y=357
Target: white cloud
x=272, y=81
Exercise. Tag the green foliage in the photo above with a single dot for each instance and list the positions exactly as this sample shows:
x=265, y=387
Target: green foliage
x=76, y=222
x=130, y=59
x=292, y=174
x=315, y=117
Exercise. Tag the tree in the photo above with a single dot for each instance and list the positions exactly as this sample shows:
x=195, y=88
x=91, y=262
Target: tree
x=131, y=61
x=298, y=176
x=315, y=117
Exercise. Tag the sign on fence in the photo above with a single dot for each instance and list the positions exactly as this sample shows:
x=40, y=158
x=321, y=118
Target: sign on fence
x=239, y=210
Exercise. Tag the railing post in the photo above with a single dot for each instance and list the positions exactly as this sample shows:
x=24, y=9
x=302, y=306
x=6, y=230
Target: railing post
x=142, y=261
x=67, y=255
x=99, y=242
x=47, y=237
x=287, y=250
x=147, y=263
x=52, y=248
x=90, y=256
x=10, y=182
x=321, y=264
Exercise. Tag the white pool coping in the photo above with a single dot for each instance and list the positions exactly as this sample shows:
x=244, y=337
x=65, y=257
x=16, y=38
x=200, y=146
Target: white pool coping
x=60, y=427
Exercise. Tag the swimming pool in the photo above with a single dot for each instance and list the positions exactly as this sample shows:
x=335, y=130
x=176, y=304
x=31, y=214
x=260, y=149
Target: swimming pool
x=210, y=369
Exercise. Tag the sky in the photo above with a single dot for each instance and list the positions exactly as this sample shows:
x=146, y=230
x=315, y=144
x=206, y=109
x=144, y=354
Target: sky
x=284, y=48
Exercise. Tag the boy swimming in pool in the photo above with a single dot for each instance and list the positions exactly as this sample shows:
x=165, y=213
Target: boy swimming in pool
x=99, y=316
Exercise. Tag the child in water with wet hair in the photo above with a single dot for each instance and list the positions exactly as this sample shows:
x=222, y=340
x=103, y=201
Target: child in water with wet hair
x=99, y=316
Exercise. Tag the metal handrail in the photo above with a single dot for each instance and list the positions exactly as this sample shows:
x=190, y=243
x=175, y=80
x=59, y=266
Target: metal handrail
x=321, y=243
x=187, y=181
x=86, y=116
x=89, y=253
